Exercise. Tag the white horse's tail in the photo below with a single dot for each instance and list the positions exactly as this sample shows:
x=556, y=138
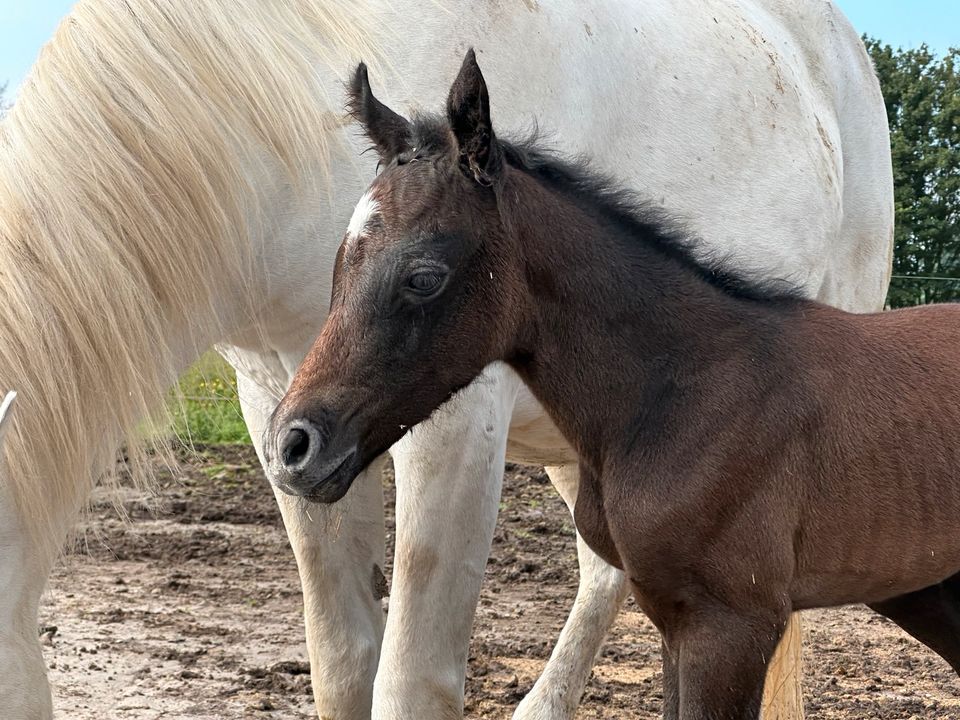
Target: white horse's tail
x=6, y=410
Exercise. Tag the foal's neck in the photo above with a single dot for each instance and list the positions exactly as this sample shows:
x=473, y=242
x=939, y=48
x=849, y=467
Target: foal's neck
x=619, y=337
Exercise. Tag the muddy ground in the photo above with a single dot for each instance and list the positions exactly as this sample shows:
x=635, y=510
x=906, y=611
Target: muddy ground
x=194, y=611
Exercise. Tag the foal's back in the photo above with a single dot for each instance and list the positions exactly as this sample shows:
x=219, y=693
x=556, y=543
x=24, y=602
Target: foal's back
x=882, y=448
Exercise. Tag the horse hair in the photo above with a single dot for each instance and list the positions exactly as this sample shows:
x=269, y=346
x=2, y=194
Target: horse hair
x=625, y=210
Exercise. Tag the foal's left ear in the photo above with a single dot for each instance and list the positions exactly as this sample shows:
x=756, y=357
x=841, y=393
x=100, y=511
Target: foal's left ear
x=468, y=110
x=389, y=132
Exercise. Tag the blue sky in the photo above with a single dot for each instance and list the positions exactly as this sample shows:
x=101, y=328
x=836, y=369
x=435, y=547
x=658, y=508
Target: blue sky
x=26, y=24
x=907, y=23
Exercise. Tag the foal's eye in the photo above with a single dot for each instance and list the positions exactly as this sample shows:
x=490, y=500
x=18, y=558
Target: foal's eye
x=425, y=282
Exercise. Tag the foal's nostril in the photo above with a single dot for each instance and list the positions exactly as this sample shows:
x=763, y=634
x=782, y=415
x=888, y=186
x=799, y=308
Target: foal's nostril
x=295, y=448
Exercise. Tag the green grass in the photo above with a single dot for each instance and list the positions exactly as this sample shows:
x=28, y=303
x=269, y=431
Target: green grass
x=208, y=409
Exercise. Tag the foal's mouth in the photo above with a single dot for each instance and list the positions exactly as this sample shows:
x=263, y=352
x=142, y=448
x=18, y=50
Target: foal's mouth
x=326, y=484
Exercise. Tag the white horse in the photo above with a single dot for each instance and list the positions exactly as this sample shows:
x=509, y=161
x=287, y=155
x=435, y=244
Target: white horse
x=176, y=174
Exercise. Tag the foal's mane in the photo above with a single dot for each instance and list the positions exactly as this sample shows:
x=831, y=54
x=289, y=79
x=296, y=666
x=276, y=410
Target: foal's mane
x=637, y=220
x=624, y=209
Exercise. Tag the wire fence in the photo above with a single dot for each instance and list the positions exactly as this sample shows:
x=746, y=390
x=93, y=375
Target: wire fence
x=198, y=398
x=933, y=278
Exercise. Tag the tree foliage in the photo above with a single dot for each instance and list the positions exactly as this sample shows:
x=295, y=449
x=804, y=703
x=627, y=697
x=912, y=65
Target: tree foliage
x=4, y=106
x=922, y=95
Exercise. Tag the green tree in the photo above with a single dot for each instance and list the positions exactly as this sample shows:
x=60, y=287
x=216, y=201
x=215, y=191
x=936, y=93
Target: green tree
x=4, y=106
x=922, y=95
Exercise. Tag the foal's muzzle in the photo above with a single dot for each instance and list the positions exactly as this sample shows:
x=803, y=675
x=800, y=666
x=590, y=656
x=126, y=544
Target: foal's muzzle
x=311, y=460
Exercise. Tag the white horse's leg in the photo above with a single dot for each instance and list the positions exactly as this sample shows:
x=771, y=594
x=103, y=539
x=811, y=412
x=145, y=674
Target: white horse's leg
x=24, y=692
x=339, y=550
x=449, y=474
x=601, y=593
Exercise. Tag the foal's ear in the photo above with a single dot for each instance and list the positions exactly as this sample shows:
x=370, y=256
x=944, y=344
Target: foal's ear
x=390, y=133
x=468, y=110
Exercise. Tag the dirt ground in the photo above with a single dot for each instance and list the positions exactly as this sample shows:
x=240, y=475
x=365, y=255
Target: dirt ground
x=194, y=611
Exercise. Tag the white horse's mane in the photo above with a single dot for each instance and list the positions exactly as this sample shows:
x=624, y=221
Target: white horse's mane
x=124, y=206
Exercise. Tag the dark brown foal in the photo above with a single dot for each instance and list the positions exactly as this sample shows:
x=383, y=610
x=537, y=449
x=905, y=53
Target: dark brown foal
x=744, y=452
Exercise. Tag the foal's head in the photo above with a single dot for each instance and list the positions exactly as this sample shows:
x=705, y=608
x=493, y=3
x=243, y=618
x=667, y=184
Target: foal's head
x=424, y=293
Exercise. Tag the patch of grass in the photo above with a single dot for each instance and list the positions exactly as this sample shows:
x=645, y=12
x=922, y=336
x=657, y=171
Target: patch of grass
x=207, y=409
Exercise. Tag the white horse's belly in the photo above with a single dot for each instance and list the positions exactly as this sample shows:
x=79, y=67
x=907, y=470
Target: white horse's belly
x=533, y=438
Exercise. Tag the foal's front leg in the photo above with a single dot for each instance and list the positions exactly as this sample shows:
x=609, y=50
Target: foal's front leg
x=722, y=657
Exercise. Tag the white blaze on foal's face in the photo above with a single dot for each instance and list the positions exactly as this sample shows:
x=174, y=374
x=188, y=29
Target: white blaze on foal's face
x=363, y=213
